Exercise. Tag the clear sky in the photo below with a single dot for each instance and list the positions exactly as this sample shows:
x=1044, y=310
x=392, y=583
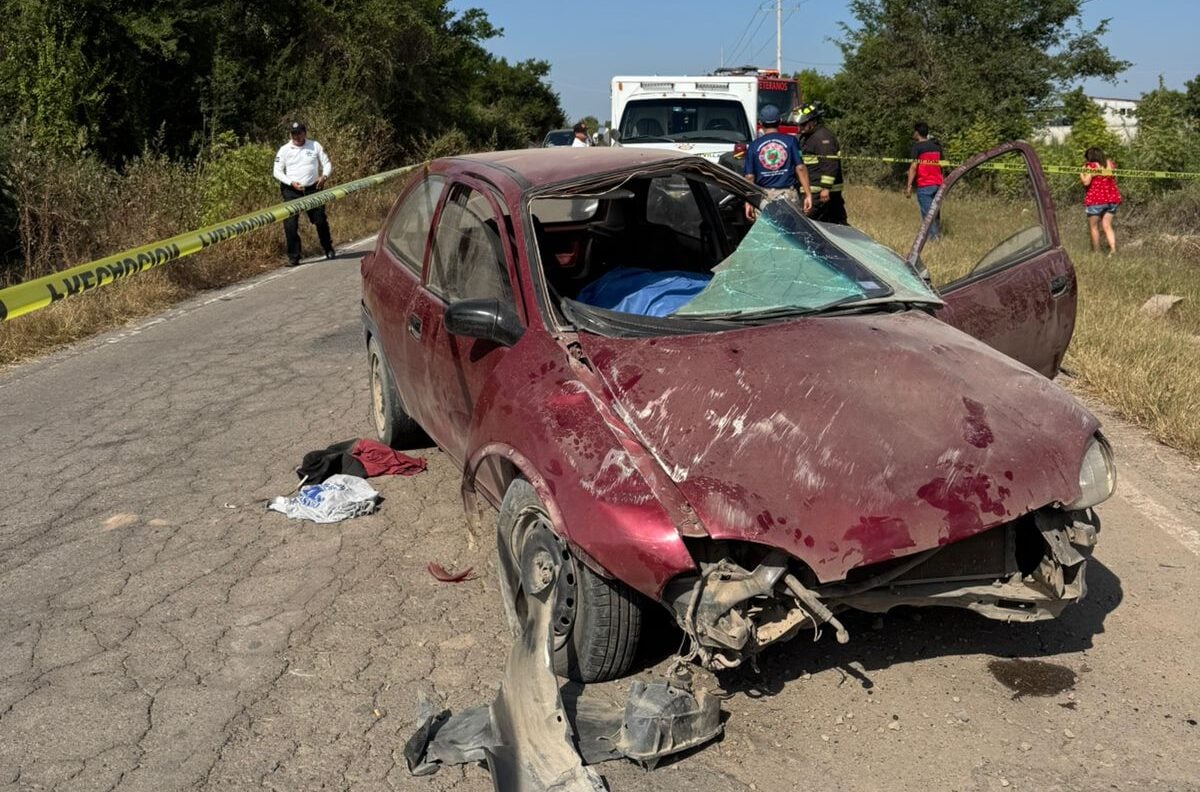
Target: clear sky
x=587, y=42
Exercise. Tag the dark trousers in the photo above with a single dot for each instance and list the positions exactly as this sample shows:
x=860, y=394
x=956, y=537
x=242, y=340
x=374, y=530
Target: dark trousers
x=832, y=211
x=291, y=226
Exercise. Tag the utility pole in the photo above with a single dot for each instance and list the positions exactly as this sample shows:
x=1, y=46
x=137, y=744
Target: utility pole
x=779, y=36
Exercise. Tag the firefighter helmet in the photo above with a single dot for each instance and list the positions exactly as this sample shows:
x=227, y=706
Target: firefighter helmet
x=810, y=112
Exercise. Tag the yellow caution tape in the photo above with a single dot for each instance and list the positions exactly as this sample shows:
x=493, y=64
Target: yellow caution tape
x=1069, y=170
x=33, y=295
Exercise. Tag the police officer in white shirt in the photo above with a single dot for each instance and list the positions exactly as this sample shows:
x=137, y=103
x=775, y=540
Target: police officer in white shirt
x=580, y=135
x=301, y=167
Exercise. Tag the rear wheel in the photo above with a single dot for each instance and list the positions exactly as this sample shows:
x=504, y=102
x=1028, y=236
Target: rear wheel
x=393, y=426
x=597, y=621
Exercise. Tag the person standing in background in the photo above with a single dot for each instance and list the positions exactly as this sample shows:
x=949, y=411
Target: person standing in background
x=773, y=162
x=924, y=171
x=581, y=136
x=822, y=156
x=302, y=167
x=1102, y=197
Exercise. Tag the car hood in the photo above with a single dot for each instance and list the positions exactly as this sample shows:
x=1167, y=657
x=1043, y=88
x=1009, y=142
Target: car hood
x=847, y=440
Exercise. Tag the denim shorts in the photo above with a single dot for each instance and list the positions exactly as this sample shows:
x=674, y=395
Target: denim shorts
x=1095, y=210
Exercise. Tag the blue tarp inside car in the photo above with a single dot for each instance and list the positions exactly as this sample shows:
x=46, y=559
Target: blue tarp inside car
x=644, y=292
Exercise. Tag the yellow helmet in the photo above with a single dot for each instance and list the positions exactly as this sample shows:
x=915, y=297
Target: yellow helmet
x=810, y=112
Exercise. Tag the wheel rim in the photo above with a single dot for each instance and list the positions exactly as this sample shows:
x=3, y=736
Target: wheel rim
x=377, y=411
x=533, y=525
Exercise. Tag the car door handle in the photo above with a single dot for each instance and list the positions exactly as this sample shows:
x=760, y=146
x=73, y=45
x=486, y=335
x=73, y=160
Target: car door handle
x=414, y=326
x=1058, y=285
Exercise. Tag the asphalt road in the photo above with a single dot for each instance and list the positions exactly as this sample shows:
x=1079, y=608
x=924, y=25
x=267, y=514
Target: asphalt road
x=160, y=630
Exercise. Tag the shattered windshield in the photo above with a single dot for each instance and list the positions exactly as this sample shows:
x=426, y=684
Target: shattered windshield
x=786, y=264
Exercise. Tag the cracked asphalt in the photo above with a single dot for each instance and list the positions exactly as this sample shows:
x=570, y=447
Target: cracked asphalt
x=160, y=630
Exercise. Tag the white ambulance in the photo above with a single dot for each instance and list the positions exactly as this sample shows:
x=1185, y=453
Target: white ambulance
x=707, y=116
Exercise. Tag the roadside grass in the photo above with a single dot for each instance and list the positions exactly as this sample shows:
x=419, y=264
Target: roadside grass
x=1147, y=369
x=75, y=318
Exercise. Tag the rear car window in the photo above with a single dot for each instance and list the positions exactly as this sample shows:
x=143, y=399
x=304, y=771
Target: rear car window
x=409, y=229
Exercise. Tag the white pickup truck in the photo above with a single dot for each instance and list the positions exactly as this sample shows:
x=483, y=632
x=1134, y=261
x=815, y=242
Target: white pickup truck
x=707, y=116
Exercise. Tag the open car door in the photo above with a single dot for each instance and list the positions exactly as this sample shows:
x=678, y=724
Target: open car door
x=999, y=263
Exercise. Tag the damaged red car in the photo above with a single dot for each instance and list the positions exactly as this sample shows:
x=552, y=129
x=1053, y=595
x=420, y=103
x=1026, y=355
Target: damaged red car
x=752, y=424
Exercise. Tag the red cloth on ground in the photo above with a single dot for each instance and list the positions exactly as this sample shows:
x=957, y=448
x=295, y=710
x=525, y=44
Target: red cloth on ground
x=379, y=460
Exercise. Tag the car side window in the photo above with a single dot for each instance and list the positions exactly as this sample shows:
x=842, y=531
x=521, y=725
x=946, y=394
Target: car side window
x=468, y=257
x=409, y=229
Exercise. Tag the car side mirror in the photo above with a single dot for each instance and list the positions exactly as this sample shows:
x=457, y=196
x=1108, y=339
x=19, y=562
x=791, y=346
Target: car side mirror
x=489, y=319
x=613, y=136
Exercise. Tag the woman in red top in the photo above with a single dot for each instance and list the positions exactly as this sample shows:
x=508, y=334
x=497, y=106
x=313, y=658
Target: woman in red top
x=1102, y=198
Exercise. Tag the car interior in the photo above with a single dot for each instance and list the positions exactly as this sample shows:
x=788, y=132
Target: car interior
x=665, y=226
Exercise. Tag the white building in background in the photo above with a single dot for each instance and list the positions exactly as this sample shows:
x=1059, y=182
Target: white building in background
x=1120, y=116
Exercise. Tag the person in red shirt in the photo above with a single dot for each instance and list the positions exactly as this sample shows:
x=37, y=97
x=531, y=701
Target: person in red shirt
x=1102, y=198
x=926, y=152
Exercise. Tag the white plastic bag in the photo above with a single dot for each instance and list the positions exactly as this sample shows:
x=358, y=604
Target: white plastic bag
x=335, y=499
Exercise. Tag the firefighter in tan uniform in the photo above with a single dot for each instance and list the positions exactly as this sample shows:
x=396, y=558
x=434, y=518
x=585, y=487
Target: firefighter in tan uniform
x=822, y=156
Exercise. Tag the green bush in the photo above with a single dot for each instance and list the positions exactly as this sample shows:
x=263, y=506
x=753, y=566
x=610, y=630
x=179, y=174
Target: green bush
x=234, y=179
x=448, y=144
x=980, y=135
x=63, y=202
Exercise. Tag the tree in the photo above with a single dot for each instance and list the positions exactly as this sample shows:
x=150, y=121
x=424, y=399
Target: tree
x=1192, y=99
x=814, y=86
x=115, y=76
x=592, y=123
x=1088, y=128
x=1077, y=105
x=1165, y=138
x=958, y=64
x=47, y=79
x=514, y=105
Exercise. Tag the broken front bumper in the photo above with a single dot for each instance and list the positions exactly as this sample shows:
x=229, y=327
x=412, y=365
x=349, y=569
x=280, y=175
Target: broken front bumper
x=1027, y=589
x=746, y=598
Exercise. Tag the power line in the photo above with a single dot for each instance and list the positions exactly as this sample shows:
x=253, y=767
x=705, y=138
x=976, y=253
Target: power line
x=769, y=40
x=751, y=37
x=762, y=18
x=749, y=22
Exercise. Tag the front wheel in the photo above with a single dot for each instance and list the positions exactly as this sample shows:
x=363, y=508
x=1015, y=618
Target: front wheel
x=597, y=621
x=393, y=426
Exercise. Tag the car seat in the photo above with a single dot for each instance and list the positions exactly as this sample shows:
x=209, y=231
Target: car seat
x=648, y=127
x=719, y=124
x=564, y=260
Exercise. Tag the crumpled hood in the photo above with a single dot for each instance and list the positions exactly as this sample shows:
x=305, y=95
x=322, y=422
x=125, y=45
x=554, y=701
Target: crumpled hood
x=847, y=440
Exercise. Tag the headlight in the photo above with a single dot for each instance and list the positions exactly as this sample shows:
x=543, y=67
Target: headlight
x=1097, y=475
